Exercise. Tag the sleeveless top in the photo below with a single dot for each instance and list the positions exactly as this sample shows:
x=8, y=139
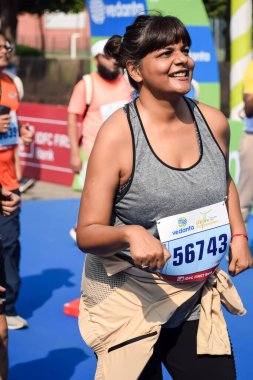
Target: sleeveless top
x=156, y=190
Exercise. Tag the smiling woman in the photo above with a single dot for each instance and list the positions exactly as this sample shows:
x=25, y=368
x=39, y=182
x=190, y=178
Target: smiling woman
x=157, y=165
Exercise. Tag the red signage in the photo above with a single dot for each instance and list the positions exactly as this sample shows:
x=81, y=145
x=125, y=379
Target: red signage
x=47, y=158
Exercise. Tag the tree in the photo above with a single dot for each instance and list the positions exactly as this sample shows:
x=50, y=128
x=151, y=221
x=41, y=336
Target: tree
x=221, y=9
x=217, y=8
x=9, y=10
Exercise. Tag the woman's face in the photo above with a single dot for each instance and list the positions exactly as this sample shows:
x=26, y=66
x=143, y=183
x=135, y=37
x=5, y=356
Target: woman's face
x=167, y=70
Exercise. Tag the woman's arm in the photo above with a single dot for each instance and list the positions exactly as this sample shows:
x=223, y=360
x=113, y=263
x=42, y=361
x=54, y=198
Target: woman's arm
x=109, y=167
x=75, y=157
x=76, y=109
x=240, y=257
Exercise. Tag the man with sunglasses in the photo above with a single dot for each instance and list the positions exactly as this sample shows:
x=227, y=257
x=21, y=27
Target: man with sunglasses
x=10, y=130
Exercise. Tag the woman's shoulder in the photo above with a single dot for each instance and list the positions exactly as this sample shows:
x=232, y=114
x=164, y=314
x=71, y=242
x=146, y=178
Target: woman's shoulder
x=115, y=130
x=113, y=144
x=116, y=122
x=213, y=116
x=217, y=123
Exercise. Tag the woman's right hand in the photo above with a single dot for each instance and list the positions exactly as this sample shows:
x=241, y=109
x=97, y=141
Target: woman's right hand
x=146, y=251
x=4, y=123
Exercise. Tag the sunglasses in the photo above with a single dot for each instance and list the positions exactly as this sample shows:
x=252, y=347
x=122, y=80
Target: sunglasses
x=6, y=46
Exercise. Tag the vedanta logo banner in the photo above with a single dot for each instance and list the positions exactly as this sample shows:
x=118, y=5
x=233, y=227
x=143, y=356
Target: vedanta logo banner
x=108, y=17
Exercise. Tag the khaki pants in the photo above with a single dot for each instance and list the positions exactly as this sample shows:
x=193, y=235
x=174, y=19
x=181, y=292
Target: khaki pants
x=124, y=327
x=124, y=323
x=245, y=184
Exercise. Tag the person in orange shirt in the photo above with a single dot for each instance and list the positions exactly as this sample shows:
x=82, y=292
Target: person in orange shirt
x=95, y=97
x=10, y=130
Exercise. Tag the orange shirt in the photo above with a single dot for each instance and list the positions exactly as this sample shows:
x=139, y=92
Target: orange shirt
x=107, y=97
x=8, y=178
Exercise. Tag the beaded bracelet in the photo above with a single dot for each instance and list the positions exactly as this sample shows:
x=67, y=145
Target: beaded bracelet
x=244, y=235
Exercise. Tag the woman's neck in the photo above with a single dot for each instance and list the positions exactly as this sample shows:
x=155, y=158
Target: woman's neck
x=163, y=110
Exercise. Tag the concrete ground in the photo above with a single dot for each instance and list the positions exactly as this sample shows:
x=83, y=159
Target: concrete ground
x=46, y=190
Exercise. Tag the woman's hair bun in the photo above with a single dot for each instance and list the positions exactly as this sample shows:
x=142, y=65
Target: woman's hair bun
x=112, y=47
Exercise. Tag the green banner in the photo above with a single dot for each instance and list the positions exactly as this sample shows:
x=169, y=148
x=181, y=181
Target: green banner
x=236, y=128
x=190, y=12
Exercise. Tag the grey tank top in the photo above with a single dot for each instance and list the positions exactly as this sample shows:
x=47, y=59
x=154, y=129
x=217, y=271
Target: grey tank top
x=157, y=190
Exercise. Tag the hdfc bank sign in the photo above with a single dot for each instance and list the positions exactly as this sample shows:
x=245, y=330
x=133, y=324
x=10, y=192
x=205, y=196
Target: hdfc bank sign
x=47, y=158
x=108, y=17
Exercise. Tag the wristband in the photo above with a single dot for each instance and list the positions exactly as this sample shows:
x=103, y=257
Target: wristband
x=244, y=235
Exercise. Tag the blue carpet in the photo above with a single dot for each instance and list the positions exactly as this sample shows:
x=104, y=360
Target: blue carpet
x=51, y=269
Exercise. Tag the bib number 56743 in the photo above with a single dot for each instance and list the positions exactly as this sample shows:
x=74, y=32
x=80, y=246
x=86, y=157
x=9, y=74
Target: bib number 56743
x=195, y=251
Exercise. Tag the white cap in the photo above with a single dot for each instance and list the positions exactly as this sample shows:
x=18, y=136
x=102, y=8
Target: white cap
x=98, y=48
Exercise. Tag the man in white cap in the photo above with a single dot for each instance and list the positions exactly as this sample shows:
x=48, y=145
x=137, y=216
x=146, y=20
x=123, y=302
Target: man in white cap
x=94, y=98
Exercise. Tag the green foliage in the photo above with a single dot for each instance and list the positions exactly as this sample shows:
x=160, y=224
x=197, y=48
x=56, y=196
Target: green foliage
x=217, y=8
x=41, y=6
x=27, y=51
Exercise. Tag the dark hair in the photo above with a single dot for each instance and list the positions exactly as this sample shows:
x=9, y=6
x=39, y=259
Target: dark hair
x=148, y=33
x=2, y=34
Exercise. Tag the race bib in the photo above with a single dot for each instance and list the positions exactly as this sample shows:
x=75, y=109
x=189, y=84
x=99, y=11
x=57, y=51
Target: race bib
x=11, y=137
x=197, y=240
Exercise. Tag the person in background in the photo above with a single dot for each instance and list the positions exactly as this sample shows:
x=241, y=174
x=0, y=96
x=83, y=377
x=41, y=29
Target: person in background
x=10, y=131
x=9, y=202
x=3, y=323
x=159, y=166
x=95, y=97
x=24, y=183
x=245, y=183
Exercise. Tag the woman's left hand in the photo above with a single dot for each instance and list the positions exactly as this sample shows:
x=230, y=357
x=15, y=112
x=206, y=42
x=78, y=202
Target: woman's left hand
x=240, y=257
